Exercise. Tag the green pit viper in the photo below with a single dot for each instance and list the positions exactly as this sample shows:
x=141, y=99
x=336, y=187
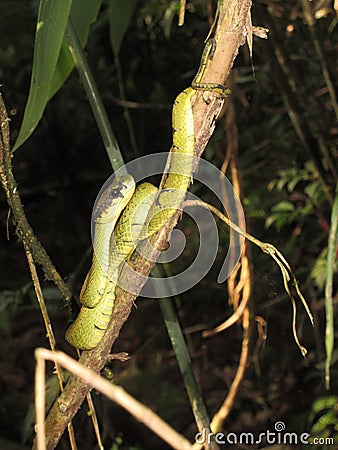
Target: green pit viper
x=117, y=233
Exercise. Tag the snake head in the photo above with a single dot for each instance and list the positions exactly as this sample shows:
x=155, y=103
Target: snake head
x=113, y=199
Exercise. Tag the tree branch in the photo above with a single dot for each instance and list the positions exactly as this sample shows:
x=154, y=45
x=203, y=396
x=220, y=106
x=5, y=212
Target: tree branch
x=230, y=35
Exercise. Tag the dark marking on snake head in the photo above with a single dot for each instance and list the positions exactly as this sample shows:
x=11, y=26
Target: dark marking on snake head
x=106, y=198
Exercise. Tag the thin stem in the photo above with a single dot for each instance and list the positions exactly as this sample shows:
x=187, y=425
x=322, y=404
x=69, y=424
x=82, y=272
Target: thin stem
x=286, y=271
x=50, y=332
x=94, y=421
x=94, y=98
x=40, y=402
x=184, y=362
x=126, y=111
x=331, y=256
x=181, y=13
x=116, y=393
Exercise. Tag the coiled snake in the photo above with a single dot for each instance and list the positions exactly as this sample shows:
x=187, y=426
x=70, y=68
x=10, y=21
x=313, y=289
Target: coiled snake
x=117, y=233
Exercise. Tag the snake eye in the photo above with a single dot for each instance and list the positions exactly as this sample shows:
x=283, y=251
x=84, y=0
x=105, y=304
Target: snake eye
x=116, y=193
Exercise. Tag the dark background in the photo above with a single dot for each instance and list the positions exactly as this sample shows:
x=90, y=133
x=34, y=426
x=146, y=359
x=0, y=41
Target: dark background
x=61, y=168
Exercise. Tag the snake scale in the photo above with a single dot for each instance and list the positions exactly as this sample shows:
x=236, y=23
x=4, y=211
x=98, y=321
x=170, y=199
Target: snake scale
x=122, y=212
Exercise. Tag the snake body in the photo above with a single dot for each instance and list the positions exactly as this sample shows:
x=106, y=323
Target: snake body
x=146, y=205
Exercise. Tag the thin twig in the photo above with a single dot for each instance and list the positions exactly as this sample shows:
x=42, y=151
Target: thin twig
x=49, y=329
x=276, y=255
x=126, y=112
x=181, y=13
x=235, y=316
x=94, y=98
x=239, y=288
x=40, y=401
x=184, y=362
x=95, y=421
x=115, y=393
x=222, y=413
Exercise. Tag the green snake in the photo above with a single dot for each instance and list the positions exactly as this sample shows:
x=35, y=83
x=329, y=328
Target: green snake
x=122, y=211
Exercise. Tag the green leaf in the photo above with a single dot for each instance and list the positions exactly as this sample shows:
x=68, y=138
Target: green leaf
x=82, y=19
x=284, y=212
x=314, y=191
x=51, y=24
x=283, y=206
x=120, y=14
x=330, y=401
x=323, y=416
x=52, y=60
x=270, y=220
x=318, y=271
x=293, y=183
x=280, y=220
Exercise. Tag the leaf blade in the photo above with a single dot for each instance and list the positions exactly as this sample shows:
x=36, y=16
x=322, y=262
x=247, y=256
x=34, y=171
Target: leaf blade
x=82, y=19
x=120, y=14
x=51, y=24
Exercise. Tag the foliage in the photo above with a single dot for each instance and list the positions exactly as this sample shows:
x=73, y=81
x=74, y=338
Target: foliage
x=324, y=418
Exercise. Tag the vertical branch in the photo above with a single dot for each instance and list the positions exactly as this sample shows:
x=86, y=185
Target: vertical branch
x=49, y=329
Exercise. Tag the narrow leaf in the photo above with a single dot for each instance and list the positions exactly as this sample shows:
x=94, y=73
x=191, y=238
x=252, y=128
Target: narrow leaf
x=82, y=18
x=52, y=61
x=51, y=24
x=120, y=14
